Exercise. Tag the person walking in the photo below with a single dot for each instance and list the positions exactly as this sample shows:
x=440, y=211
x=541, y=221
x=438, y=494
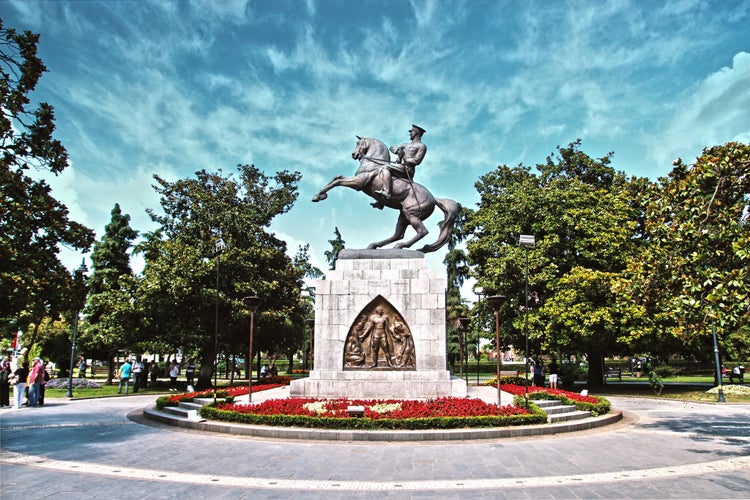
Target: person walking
x=124, y=375
x=5, y=374
x=174, y=372
x=19, y=380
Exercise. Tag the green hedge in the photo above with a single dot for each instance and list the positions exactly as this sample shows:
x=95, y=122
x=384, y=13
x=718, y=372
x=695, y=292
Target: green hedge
x=512, y=380
x=535, y=417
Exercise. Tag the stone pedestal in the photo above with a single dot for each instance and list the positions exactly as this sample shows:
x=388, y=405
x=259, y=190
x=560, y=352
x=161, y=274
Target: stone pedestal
x=402, y=280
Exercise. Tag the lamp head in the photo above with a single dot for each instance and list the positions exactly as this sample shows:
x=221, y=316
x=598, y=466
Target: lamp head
x=527, y=241
x=495, y=301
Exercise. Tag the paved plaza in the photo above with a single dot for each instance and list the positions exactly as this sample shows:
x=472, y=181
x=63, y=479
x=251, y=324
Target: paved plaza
x=103, y=448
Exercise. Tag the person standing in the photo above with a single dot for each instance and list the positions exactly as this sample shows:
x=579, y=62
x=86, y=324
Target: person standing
x=5, y=374
x=43, y=383
x=190, y=375
x=137, y=374
x=19, y=378
x=554, y=369
x=35, y=379
x=81, y=367
x=174, y=372
x=124, y=375
x=154, y=373
x=539, y=373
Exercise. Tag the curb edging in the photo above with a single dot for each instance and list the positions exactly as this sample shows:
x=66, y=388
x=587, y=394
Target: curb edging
x=299, y=433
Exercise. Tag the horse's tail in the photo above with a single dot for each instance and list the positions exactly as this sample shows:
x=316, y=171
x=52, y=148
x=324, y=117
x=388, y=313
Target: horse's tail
x=450, y=210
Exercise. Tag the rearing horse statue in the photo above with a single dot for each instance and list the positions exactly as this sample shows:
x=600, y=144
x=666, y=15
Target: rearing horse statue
x=413, y=201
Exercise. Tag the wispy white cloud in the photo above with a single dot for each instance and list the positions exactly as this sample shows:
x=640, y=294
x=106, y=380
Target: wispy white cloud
x=713, y=111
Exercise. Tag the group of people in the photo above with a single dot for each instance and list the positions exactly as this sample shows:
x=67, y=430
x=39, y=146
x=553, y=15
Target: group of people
x=538, y=371
x=738, y=372
x=28, y=383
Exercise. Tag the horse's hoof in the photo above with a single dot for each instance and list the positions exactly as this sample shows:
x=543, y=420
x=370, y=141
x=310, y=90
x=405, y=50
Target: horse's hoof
x=372, y=246
x=320, y=197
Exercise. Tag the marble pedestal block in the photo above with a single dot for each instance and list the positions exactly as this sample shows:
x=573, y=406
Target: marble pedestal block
x=401, y=280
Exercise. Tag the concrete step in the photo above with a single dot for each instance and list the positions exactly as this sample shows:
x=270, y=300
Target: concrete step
x=557, y=409
x=182, y=412
x=571, y=415
x=191, y=405
x=545, y=403
x=557, y=412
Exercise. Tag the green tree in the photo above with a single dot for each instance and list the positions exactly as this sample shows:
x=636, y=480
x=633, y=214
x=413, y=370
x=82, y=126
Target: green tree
x=457, y=270
x=113, y=320
x=585, y=221
x=33, y=224
x=696, y=267
x=337, y=244
x=179, y=281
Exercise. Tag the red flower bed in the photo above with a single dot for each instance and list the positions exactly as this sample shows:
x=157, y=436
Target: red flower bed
x=519, y=390
x=375, y=409
x=227, y=392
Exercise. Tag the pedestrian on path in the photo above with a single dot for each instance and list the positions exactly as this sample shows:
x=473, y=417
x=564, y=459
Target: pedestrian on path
x=124, y=375
x=35, y=379
x=553, y=369
x=154, y=373
x=19, y=379
x=137, y=374
x=174, y=372
x=5, y=374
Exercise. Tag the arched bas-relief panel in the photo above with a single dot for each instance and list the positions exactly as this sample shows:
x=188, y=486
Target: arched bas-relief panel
x=379, y=339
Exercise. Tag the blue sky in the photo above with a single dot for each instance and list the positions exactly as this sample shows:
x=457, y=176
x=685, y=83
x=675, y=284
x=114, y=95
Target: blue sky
x=171, y=87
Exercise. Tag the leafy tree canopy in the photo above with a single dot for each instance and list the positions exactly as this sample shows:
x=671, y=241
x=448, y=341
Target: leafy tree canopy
x=33, y=224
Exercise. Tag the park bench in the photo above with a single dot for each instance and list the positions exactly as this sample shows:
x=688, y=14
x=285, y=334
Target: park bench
x=613, y=372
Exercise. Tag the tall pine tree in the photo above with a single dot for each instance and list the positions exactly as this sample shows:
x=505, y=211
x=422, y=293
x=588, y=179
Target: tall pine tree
x=111, y=316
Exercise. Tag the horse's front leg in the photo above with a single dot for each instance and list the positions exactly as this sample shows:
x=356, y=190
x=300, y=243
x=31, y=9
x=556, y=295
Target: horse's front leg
x=321, y=195
x=357, y=182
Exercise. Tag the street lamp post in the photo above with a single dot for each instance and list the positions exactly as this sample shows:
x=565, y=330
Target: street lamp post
x=464, y=346
x=220, y=246
x=479, y=291
x=251, y=303
x=79, y=272
x=527, y=242
x=495, y=301
x=718, y=365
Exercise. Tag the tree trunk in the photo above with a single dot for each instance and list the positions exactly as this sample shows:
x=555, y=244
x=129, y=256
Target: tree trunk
x=206, y=371
x=290, y=368
x=596, y=370
x=110, y=368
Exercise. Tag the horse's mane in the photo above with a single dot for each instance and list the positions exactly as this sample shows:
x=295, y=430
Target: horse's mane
x=377, y=144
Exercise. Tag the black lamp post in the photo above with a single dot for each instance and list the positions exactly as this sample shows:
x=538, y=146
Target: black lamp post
x=718, y=365
x=80, y=272
x=479, y=291
x=251, y=303
x=464, y=346
x=220, y=246
x=495, y=301
x=527, y=242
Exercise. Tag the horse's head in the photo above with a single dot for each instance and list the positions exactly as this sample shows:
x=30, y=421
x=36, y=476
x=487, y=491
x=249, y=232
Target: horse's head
x=360, y=150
